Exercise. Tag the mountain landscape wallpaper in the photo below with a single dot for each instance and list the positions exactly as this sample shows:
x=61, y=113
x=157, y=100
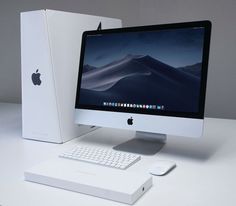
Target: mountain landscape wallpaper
x=154, y=67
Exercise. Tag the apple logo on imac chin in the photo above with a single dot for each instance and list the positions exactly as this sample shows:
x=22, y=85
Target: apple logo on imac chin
x=36, y=78
x=130, y=121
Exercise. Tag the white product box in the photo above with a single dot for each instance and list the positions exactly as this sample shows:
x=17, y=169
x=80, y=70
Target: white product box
x=50, y=52
x=113, y=184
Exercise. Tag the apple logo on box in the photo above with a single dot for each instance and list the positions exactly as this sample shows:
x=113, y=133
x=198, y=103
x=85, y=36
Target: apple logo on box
x=36, y=78
x=130, y=121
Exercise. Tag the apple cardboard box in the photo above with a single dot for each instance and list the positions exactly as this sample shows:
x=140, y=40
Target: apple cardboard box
x=50, y=51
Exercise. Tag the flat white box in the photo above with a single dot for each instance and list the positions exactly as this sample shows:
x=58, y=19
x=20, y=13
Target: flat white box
x=50, y=47
x=113, y=184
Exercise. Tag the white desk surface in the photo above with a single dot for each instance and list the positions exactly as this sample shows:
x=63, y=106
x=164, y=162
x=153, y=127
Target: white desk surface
x=205, y=173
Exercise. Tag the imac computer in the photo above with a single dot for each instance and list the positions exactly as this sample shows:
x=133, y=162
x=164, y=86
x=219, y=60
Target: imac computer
x=151, y=79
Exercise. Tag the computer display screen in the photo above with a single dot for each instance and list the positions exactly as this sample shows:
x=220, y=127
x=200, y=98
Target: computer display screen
x=152, y=71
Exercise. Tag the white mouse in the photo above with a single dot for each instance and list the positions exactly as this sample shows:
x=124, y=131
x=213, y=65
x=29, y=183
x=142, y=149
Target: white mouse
x=161, y=167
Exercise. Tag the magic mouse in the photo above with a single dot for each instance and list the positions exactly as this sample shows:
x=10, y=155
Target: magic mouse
x=161, y=167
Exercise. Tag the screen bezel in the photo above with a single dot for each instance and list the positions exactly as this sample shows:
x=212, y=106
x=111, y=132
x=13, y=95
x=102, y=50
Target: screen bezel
x=205, y=58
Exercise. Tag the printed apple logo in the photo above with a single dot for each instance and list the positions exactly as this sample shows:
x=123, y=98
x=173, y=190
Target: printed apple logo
x=130, y=121
x=36, y=78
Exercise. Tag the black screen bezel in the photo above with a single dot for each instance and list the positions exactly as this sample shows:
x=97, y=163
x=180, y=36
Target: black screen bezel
x=206, y=47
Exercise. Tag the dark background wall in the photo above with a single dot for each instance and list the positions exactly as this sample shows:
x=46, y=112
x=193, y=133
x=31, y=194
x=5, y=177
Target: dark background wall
x=221, y=95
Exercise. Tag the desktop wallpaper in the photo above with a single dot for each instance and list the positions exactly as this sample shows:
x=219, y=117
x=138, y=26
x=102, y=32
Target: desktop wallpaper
x=156, y=68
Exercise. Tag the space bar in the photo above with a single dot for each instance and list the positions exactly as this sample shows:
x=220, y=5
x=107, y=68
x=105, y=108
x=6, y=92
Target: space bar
x=80, y=159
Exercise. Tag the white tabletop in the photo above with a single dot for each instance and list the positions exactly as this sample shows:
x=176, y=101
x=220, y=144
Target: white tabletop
x=205, y=173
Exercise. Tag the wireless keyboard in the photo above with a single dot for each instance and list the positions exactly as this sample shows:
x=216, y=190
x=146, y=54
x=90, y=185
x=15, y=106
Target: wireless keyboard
x=102, y=156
